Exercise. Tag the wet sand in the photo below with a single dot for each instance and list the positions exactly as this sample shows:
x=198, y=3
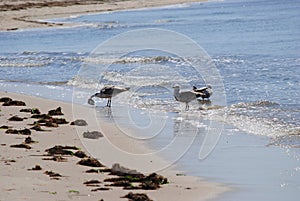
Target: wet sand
x=32, y=171
x=21, y=14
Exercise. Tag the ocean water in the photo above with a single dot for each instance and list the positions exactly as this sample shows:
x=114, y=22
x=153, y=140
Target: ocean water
x=248, y=50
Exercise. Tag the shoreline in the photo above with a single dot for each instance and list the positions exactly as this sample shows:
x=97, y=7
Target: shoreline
x=16, y=162
x=28, y=15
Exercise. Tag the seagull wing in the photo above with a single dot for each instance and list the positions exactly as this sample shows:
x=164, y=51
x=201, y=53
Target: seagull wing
x=202, y=89
x=187, y=96
x=107, y=90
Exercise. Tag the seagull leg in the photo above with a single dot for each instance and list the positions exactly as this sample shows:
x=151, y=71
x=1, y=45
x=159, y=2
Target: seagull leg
x=187, y=106
x=108, y=102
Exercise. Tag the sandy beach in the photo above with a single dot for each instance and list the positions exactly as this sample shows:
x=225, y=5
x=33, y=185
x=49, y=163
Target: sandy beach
x=55, y=54
x=20, y=14
x=29, y=171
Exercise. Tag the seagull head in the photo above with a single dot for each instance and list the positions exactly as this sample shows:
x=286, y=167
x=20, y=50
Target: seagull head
x=176, y=86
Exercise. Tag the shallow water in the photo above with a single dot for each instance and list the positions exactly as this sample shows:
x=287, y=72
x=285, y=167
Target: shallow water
x=254, y=45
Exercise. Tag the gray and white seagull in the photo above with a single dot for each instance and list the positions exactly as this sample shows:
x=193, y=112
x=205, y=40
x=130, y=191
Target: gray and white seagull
x=107, y=92
x=185, y=96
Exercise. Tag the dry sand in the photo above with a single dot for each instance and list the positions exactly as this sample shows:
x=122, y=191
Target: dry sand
x=22, y=14
x=19, y=183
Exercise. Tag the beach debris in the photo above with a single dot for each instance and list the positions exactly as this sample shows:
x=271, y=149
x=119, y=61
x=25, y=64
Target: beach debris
x=91, y=182
x=154, y=177
x=92, y=134
x=80, y=154
x=79, y=122
x=153, y=181
x=122, y=183
x=10, y=102
x=8, y=161
x=37, y=127
x=50, y=123
x=31, y=110
x=14, y=103
x=127, y=182
x=56, y=158
x=119, y=170
x=41, y=116
x=50, y=119
x=46, y=122
x=27, y=110
x=53, y=175
x=98, y=170
x=59, y=121
x=92, y=162
x=101, y=189
x=15, y=118
x=36, y=167
x=56, y=111
x=61, y=150
x=74, y=191
x=5, y=127
x=93, y=171
x=25, y=131
x=5, y=99
x=12, y=29
x=137, y=197
x=29, y=140
x=71, y=147
x=35, y=111
x=22, y=145
x=127, y=177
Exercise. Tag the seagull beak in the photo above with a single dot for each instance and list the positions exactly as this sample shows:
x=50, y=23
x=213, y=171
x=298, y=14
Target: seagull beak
x=91, y=101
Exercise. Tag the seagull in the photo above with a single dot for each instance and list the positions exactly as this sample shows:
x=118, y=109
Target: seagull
x=204, y=92
x=185, y=96
x=107, y=92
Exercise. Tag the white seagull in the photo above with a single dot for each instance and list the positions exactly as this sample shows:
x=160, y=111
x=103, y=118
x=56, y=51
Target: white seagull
x=107, y=92
x=185, y=96
x=205, y=92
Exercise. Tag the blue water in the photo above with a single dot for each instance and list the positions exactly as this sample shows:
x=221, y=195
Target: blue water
x=255, y=46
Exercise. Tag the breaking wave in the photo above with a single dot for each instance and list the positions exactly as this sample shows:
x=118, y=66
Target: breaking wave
x=132, y=60
x=151, y=88
x=39, y=67
x=265, y=118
